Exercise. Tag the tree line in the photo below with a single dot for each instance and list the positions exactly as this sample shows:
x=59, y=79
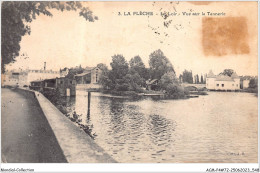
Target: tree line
x=187, y=77
x=132, y=75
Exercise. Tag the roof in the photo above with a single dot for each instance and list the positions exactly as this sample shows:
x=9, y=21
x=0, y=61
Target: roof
x=211, y=74
x=149, y=82
x=82, y=74
x=37, y=81
x=234, y=75
x=50, y=79
x=89, y=68
x=224, y=78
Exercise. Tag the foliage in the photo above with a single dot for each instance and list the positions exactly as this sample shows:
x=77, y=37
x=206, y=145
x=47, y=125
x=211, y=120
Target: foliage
x=174, y=91
x=134, y=81
x=159, y=64
x=187, y=76
x=120, y=77
x=197, y=81
x=106, y=80
x=227, y=72
x=166, y=79
x=137, y=65
x=169, y=83
x=119, y=67
x=102, y=67
x=201, y=79
x=253, y=83
x=123, y=81
x=17, y=15
x=74, y=71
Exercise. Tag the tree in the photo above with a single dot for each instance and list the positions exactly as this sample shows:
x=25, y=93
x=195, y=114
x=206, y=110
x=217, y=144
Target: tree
x=115, y=79
x=134, y=81
x=167, y=79
x=187, y=76
x=119, y=66
x=253, y=83
x=227, y=72
x=159, y=64
x=137, y=65
x=102, y=67
x=169, y=83
x=17, y=15
x=181, y=78
x=106, y=81
x=74, y=71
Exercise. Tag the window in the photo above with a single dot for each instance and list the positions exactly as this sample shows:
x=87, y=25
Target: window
x=237, y=85
x=61, y=82
x=217, y=85
x=222, y=85
x=232, y=84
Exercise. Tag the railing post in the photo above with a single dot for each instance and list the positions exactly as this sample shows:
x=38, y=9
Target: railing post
x=89, y=97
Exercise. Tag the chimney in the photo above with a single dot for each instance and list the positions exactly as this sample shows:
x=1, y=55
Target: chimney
x=44, y=66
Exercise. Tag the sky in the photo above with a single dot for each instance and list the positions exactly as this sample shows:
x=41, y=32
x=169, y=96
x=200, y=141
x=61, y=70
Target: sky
x=189, y=42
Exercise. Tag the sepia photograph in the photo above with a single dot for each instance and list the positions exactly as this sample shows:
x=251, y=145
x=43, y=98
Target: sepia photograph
x=129, y=82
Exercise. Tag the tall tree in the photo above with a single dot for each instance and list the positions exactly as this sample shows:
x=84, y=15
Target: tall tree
x=167, y=79
x=201, y=79
x=119, y=66
x=253, y=83
x=159, y=64
x=197, y=79
x=181, y=78
x=137, y=65
x=102, y=67
x=187, y=76
x=227, y=72
x=16, y=17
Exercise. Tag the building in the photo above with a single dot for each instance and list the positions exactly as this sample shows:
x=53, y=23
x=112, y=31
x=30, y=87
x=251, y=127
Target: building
x=222, y=82
x=63, y=85
x=34, y=75
x=152, y=84
x=14, y=78
x=64, y=72
x=88, y=79
x=25, y=77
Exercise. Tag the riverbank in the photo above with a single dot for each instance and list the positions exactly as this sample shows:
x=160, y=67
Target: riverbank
x=76, y=145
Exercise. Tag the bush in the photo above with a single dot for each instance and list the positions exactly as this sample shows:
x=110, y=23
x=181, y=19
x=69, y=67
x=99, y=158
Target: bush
x=251, y=90
x=174, y=91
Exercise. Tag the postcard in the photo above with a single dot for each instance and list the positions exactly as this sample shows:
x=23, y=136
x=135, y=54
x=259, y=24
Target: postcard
x=129, y=82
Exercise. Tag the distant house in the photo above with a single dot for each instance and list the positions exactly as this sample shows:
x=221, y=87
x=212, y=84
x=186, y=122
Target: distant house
x=24, y=77
x=90, y=75
x=152, y=84
x=222, y=82
x=64, y=85
x=89, y=78
x=64, y=72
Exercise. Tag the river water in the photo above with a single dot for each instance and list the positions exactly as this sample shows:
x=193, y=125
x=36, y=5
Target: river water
x=219, y=127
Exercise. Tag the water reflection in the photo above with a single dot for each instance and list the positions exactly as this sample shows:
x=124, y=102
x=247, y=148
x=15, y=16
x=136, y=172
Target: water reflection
x=154, y=130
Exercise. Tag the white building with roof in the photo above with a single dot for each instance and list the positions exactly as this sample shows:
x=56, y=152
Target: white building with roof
x=24, y=77
x=222, y=82
x=88, y=79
